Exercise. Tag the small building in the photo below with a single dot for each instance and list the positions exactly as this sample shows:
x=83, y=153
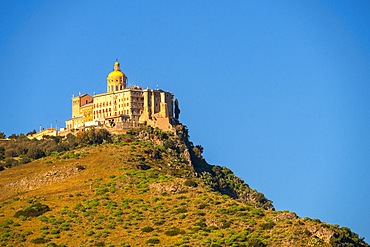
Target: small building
x=82, y=106
x=45, y=132
x=121, y=106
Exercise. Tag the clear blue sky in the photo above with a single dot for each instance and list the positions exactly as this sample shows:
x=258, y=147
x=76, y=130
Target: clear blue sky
x=278, y=91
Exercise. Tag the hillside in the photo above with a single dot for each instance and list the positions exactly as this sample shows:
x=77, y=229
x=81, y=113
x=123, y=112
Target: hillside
x=146, y=188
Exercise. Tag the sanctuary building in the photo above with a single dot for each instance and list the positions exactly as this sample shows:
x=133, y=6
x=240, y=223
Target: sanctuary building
x=121, y=106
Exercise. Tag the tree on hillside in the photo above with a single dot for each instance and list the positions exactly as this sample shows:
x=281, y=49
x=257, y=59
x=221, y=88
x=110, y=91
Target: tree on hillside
x=71, y=141
x=13, y=136
x=35, y=153
x=2, y=135
x=31, y=132
x=198, y=150
x=9, y=162
x=2, y=153
x=93, y=136
x=177, y=110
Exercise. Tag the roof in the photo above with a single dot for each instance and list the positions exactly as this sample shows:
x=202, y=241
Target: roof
x=117, y=73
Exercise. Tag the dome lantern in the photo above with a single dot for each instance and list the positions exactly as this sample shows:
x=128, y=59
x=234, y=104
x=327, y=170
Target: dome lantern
x=116, y=66
x=116, y=80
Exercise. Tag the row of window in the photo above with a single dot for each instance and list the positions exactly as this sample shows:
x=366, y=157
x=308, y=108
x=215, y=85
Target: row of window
x=136, y=93
x=104, y=110
x=137, y=105
x=111, y=88
x=137, y=99
x=98, y=115
x=99, y=105
x=116, y=80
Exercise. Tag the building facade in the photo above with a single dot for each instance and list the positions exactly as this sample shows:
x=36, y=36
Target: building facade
x=122, y=106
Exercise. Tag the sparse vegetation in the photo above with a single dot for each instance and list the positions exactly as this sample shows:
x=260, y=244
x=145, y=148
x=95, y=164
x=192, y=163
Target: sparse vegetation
x=110, y=200
x=22, y=150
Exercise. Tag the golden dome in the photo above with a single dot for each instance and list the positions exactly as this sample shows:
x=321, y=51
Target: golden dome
x=116, y=74
x=116, y=71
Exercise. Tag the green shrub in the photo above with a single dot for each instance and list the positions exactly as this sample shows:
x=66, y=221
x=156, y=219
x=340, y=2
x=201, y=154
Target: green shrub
x=225, y=225
x=190, y=183
x=60, y=221
x=181, y=210
x=78, y=206
x=345, y=237
x=34, y=210
x=55, y=231
x=152, y=241
x=16, y=224
x=40, y=240
x=43, y=218
x=159, y=222
x=182, y=216
x=256, y=243
x=6, y=223
x=202, y=206
x=65, y=226
x=99, y=227
x=52, y=244
x=100, y=244
x=101, y=191
x=147, y=229
x=52, y=220
x=111, y=225
x=22, y=218
x=25, y=160
x=10, y=162
x=90, y=233
x=267, y=225
x=174, y=231
x=44, y=227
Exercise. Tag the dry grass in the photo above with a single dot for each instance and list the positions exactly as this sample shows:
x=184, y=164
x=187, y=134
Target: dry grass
x=112, y=203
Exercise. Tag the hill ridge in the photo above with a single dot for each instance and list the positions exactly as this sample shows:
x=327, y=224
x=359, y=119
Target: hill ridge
x=146, y=187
